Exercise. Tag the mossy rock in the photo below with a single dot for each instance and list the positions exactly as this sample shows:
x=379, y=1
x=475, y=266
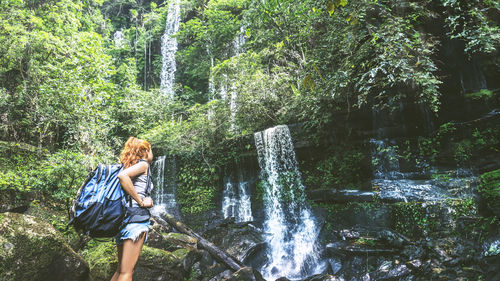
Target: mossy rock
x=425, y=219
x=153, y=263
x=158, y=264
x=31, y=249
x=489, y=189
x=181, y=239
x=59, y=219
x=14, y=200
x=102, y=259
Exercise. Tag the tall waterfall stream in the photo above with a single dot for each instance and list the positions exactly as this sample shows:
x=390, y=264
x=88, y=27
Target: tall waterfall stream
x=168, y=49
x=289, y=224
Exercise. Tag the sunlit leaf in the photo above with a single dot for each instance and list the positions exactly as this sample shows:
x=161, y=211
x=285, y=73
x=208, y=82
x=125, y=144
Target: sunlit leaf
x=330, y=7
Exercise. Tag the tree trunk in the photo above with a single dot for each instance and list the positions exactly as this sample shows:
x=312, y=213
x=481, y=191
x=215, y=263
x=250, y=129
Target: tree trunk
x=219, y=254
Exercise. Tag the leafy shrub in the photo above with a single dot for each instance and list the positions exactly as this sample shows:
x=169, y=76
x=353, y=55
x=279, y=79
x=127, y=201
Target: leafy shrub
x=197, y=186
x=342, y=168
x=490, y=190
x=61, y=174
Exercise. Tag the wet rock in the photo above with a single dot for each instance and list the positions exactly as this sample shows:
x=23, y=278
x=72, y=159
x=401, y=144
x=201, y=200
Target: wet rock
x=341, y=196
x=391, y=238
x=490, y=258
x=414, y=264
x=404, y=190
x=413, y=252
x=191, y=258
x=335, y=265
x=323, y=277
x=196, y=273
x=349, y=234
x=390, y=271
x=31, y=249
x=365, y=250
x=491, y=247
x=242, y=241
x=214, y=270
x=245, y=274
x=222, y=275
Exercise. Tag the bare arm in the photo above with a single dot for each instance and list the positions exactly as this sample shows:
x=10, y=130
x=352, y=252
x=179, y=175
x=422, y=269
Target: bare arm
x=126, y=176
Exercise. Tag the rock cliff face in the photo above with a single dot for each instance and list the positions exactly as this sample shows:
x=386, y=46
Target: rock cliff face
x=31, y=249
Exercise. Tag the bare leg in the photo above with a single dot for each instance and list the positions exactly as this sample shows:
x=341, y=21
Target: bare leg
x=130, y=254
x=120, y=254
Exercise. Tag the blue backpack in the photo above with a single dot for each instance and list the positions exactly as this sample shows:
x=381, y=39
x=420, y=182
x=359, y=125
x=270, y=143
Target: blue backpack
x=99, y=209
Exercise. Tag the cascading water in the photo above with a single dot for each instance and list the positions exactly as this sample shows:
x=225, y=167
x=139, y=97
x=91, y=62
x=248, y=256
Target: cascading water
x=236, y=200
x=168, y=49
x=238, y=43
x=118, y=38
x=291, y=228
x=211, y=85
x=395, y=185
x=164, y=180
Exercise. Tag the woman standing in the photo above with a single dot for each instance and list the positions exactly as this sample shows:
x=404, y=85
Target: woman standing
x=136, y=158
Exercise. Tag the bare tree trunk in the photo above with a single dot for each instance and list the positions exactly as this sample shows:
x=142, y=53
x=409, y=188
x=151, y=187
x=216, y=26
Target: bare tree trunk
x=205, y=244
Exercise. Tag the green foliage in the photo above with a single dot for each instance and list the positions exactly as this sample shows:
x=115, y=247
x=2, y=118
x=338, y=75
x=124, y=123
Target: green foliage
x=342, y=167
x=468, y=21
x=365, y=241
x=54, y=176
x=483, y=94
x=197, y=186
x=54, y=74
x=207, y=38
x=412, y=219
x=489, y=189
x=61, y=174
x=462, y=208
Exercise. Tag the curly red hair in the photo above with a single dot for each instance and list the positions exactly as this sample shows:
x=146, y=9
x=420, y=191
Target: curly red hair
x=134, y=150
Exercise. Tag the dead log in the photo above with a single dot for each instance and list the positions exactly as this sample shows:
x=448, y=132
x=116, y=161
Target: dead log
x=219, y=254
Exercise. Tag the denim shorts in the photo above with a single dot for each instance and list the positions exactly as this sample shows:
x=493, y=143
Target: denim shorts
x=133, y=231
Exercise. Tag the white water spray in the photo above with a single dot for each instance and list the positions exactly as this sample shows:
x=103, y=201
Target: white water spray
x=236, y=201
x=168, y=49
x=164, y=179
x=291, y=228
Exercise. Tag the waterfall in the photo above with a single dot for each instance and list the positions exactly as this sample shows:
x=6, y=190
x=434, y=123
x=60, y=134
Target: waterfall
x=236, y=199
x=291, y=228
x=118, y=38
x=211, y=85
x=168, y=49
x=396, y=185
x=164, y=180
x=238, y=43
x=385, y=160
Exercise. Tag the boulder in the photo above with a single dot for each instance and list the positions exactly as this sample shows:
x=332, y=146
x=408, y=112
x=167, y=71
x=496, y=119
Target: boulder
x=160, y=265
x=31, y=249
x=242, y=241
x=171, y=241
x=390, y=271
x=15, y=201
x=245, y=274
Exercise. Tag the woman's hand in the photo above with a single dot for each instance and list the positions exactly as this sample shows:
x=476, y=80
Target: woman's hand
x=147, y=202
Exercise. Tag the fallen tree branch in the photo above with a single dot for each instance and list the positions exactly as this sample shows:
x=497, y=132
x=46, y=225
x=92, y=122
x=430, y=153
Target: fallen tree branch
x=219, y=254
